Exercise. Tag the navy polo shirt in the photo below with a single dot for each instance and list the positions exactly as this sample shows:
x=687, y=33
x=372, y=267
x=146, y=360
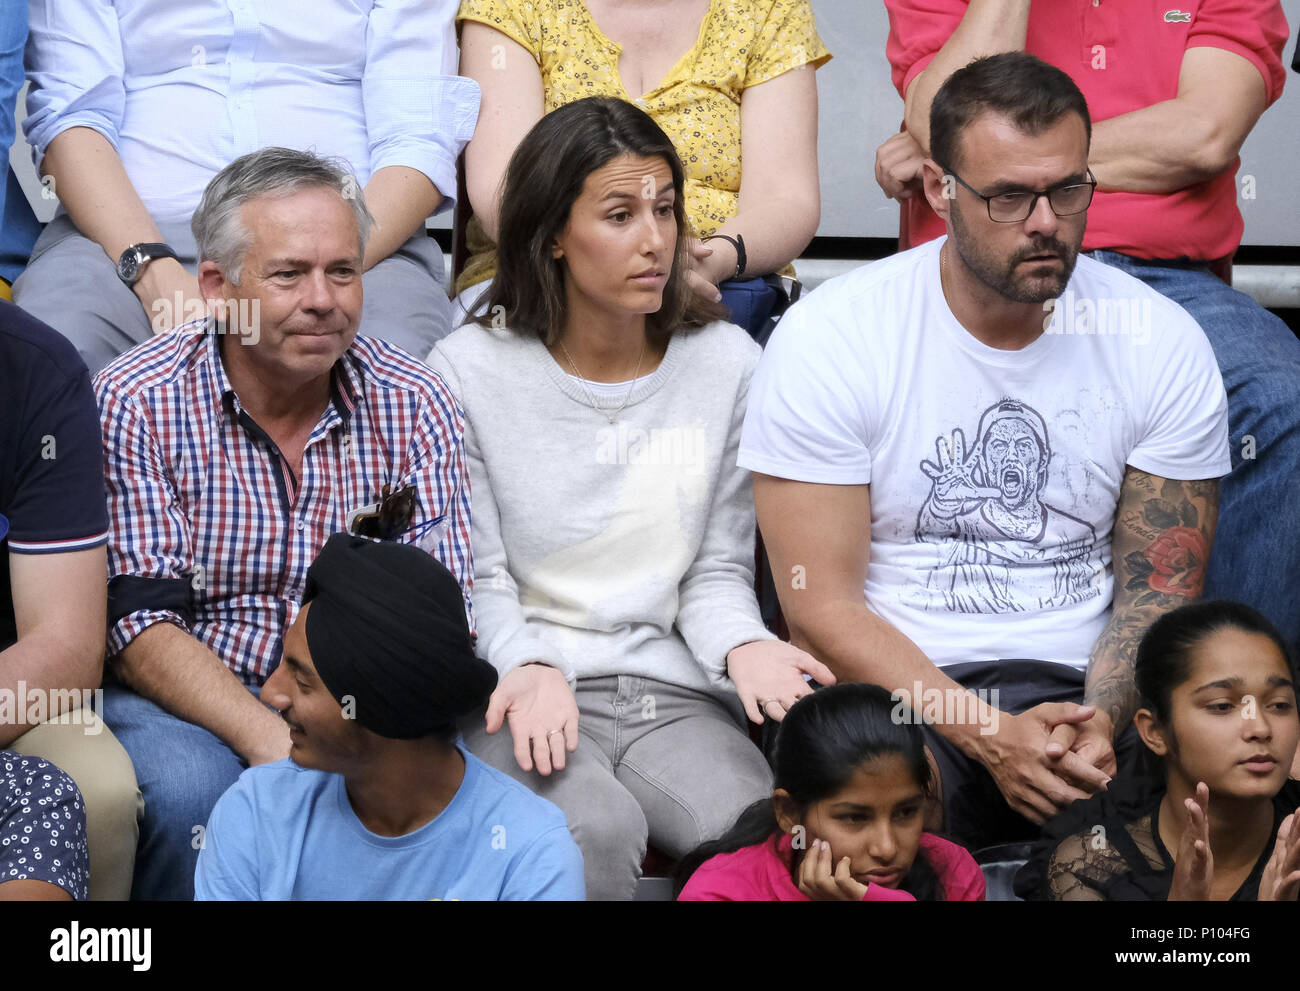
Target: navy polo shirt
x=52, y=498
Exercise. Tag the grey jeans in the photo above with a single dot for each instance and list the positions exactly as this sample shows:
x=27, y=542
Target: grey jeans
x=653, y=760
x=72, y=285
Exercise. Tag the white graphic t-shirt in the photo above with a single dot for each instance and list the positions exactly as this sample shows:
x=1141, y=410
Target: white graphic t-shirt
x=995, y=475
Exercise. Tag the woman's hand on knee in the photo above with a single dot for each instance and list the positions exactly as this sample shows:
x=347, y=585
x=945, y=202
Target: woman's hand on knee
x=537, y=703
x=769, y=677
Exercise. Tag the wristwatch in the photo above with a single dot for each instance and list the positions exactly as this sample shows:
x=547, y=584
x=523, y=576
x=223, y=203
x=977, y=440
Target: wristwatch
x=135, y=258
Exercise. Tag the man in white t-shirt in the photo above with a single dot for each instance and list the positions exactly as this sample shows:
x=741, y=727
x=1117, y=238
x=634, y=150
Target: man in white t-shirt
x=1028, y=561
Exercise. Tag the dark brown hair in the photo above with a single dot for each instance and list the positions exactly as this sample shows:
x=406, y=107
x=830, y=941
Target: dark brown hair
x=1026, y=90
x=544, y=179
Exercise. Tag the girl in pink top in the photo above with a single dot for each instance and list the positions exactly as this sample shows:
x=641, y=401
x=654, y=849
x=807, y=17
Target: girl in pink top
x=844, y=822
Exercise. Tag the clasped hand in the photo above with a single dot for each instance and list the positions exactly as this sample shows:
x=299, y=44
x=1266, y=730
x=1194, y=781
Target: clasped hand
x=1049, y=756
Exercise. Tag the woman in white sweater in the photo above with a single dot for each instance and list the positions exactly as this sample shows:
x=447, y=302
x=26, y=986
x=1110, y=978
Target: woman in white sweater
x=613, y=533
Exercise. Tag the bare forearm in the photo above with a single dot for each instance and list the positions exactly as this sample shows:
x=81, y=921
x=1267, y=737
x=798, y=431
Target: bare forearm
x=987, y=28
x=401, y=199
x=859, y=646
x=1158, y=149
x=1189, y=139
x=482, y=179
x=93, y=187
x=56, y=669
x=171, y=668
x=775, y=233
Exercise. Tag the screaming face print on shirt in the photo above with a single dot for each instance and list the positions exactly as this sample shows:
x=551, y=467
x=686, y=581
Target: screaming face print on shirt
x=1001, y=548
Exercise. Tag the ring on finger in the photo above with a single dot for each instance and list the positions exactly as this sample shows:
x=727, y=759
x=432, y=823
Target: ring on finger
x=553, y=732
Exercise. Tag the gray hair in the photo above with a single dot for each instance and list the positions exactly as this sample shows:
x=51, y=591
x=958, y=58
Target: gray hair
x=217, y=225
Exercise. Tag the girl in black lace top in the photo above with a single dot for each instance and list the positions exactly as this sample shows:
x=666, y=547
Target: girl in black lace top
x=1211, y=815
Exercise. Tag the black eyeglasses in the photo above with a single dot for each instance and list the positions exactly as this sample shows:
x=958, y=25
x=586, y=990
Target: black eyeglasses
x=1014, y=208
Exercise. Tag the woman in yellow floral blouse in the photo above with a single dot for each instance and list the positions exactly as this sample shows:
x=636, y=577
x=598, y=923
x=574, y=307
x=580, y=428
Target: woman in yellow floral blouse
x=716, y=75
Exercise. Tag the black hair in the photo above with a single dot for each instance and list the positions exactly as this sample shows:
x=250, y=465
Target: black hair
x=1029, y=92
x=823, y=740
x=544, y=179
x=1164, y=656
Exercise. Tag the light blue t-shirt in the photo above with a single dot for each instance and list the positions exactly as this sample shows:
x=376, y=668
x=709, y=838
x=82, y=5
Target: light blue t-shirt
x=284, y=832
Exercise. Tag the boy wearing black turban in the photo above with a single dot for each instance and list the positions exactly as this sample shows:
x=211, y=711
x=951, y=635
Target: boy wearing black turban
x=377, y=799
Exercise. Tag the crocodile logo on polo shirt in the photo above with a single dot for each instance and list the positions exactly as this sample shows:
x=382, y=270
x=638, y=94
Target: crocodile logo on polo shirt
x=1173, y=16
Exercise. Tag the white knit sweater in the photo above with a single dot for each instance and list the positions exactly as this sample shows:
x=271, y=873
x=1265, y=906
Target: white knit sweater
x=609, y=550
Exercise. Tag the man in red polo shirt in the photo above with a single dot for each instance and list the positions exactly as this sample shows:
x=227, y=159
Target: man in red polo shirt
x=1174, y=89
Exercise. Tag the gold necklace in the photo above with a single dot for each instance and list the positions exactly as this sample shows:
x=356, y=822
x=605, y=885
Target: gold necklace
x=603, y=411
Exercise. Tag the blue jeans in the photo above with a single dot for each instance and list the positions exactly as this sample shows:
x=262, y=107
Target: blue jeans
x=1256, y=555
x=182, y=770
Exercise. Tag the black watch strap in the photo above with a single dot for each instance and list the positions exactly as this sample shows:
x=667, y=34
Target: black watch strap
x=135, y=258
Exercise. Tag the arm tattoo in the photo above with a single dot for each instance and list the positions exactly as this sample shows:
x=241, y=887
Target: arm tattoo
x=1160, y=548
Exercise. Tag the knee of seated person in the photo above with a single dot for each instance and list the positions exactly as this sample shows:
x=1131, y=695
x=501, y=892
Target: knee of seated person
x=112, y=795
x=191, y=791
x=716, y=818
x=609, y=826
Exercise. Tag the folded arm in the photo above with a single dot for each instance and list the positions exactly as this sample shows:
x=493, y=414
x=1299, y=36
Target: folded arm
x=988, y=27
x=1193, y=137
x=1160, y=148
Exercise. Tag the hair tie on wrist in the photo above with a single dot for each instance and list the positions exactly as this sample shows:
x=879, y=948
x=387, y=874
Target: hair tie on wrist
x=738, y=243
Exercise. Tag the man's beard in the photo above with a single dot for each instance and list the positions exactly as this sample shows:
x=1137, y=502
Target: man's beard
x=1001, y=276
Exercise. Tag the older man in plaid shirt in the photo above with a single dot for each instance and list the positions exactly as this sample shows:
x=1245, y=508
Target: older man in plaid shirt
x=234, y=447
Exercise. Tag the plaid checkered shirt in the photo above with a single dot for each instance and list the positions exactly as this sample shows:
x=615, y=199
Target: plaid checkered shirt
x=208, y=527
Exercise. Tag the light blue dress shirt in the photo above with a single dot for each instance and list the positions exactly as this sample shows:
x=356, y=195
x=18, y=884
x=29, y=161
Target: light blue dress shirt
x=18, y=226
x=183, y=87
